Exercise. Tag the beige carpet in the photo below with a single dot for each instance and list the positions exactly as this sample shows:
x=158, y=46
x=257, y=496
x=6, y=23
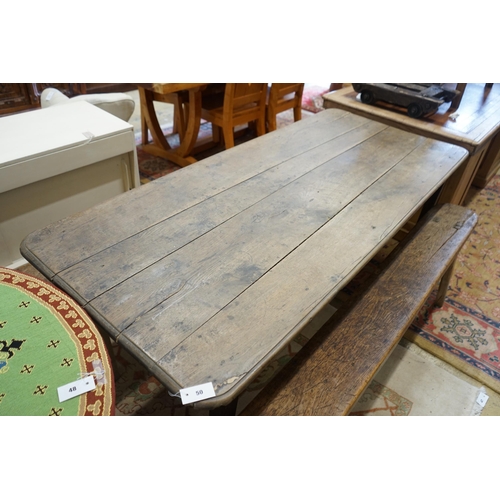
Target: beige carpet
x=412, y=383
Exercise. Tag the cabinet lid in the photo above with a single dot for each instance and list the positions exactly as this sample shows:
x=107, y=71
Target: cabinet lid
x=49, y=130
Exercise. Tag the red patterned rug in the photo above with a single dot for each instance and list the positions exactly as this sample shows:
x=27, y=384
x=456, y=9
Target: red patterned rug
x=312, y=98
x=465, y=332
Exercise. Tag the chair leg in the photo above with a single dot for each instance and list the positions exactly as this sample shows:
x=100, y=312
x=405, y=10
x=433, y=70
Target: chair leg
x=271, y=122
x=228, y=132
x=297, y=113
x=216, y=133
x=261, y=126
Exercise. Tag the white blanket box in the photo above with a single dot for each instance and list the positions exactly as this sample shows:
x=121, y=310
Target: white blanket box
x=55, y=162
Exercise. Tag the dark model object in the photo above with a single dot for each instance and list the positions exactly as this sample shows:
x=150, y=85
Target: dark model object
x=417, y=98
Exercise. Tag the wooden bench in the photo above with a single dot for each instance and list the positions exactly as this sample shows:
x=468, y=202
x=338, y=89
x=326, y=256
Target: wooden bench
x=334, y=368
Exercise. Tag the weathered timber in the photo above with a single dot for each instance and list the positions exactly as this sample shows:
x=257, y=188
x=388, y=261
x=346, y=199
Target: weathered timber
x=329, y=374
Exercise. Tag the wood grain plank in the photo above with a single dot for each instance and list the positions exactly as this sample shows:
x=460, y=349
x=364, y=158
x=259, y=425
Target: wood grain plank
x=215, y=276
x=104, y=225
x=210, y=271
x=333, y=369
x=477, y=122
x=256, y=324
x=106, y=269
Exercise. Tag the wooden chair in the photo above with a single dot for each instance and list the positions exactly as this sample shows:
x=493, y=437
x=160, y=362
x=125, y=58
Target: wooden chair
x=283, y=96
x=180, y=100
x=239, y=104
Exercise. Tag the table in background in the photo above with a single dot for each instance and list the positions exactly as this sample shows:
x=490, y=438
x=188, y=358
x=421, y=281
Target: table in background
x=205, y=274
x=148, y=93
x=476, y=128
x=47, y=341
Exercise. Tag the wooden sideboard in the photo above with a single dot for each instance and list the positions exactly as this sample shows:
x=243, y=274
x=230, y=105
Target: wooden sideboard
x=15, y=97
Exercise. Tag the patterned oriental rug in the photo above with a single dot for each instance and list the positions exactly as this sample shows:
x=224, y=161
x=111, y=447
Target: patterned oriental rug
x=465, y=332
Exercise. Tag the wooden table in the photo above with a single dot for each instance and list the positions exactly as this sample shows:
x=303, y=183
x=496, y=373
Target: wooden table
x=148, y=93
x=476, y=128
x=205, y=274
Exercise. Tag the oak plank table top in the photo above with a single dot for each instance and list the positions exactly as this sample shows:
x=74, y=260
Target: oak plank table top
x=205, y=274
x=472, y=126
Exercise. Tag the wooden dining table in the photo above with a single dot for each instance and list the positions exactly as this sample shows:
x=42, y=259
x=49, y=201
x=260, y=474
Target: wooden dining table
x=474, y=125
x=148, y=93
x=207, y=273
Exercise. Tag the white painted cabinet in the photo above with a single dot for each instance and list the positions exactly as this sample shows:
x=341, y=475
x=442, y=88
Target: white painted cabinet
x=57, y=161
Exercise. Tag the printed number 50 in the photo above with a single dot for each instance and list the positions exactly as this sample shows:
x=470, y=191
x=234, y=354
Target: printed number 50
x=199, y=393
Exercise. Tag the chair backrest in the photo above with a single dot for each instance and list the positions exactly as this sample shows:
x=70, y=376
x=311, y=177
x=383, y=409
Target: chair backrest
x=243, y=96
x=282, y=95
x=241, y=103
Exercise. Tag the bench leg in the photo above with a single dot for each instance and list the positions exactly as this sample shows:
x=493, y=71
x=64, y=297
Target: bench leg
x=443, y=285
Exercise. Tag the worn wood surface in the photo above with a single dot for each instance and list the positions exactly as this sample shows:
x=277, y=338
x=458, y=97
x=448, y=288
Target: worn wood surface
x=206, y=273
x=477, y=122
x=334, y=368
x=475, y=127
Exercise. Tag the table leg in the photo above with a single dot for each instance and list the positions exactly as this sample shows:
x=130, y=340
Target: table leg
x=160, y=146
x=193, y=123
x=489, y=165
x=456, y=187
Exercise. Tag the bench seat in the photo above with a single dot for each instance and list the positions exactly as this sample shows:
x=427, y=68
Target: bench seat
x=329, y=374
